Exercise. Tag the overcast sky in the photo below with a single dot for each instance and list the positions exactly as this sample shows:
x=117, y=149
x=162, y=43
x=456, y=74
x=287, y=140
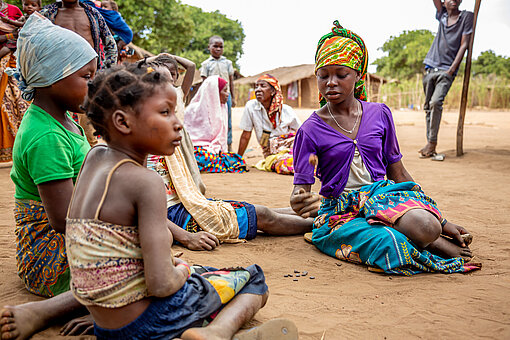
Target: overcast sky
x=285, y=32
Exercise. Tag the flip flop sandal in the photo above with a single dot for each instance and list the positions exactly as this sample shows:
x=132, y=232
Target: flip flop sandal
x=428, y=155
x=308, y=237
x=438, y=157
x=467, y=238
x=276, y=329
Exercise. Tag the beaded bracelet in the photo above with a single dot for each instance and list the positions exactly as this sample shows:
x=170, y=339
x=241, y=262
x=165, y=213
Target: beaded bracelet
x=9, y=36
x=443, y=222
x=187, y=267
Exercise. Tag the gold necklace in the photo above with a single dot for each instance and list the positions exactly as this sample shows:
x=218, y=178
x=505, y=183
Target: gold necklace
x=343, y=129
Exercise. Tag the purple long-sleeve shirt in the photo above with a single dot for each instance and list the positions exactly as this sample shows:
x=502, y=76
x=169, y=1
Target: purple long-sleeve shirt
x=376, y=141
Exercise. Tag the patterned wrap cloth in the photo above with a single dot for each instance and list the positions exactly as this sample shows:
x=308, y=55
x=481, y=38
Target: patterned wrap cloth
x=343, y=47
x=356, y=227
x=13, y=107
x=275, y=109
x=281, y=159
x=40, y=251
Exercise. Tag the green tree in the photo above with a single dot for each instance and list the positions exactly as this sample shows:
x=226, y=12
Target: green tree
x=169, y=26
x=208, y=24
x=405, y=54
x=490, y=63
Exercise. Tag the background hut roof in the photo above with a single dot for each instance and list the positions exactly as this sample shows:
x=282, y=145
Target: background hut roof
x=285, y=75
x=289, y=74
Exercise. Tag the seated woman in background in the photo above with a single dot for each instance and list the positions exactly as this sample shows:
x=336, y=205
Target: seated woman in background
x=351, y=145
x=274, y=123
x=206, y=122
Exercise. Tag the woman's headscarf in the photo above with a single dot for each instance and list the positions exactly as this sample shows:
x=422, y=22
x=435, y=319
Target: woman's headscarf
x=345, y=48
x=46, y=54
x=206, y=118
x=275, y=108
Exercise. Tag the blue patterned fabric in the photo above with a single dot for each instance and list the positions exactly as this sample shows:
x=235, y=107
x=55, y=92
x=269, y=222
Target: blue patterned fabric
x=356, y=227
x=197, y=301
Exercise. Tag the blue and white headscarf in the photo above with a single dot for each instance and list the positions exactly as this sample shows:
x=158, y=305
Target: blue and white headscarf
x=47, y=53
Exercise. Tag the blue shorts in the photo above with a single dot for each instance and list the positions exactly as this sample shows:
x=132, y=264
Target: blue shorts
x=245, y=212
x=194, y=303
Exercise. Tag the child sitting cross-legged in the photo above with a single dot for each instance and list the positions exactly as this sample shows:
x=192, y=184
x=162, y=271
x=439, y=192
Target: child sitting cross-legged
x=118, y=243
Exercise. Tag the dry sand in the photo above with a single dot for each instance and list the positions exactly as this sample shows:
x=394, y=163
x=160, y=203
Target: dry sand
x=347, y=301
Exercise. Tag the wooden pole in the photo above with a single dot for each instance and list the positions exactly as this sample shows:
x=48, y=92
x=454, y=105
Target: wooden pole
x=465, y=85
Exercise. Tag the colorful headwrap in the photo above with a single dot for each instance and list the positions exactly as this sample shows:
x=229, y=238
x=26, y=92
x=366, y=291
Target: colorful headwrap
x=276, y=101
x=346, y=48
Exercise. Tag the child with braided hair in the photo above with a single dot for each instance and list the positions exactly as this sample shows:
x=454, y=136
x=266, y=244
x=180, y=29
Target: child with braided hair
x=142, y=291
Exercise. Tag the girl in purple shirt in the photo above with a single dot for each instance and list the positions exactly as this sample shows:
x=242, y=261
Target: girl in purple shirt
x=351, y=146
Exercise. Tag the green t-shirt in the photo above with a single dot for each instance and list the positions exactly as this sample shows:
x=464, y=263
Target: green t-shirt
x=44, y=151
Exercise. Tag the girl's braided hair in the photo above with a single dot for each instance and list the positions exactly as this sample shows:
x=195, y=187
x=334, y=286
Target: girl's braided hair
x=164, y=60
x=119, y=87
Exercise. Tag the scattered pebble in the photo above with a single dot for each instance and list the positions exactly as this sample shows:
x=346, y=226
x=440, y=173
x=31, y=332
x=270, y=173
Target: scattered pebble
x=382, y=303
x=312, y=277
x=290, y=275
x=338, y=264
x=304, y=273
x=390, y=278
x=296, y=271
x=377, y=296
x=295, y=280
x=297, y=275
x=285, y=275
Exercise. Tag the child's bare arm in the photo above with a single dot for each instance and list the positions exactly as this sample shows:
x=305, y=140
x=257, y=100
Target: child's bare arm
x=193, y=241
x=438, y=4
x=231, y=84
x=11, y=22
x=56, y=196
x=190, y=68
x=161, y=276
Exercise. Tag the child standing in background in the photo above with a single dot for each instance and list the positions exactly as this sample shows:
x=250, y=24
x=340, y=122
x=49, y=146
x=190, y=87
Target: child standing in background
x=218, y=65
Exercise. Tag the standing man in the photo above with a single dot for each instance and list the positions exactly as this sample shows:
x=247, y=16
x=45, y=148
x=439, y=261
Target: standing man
x=442, y=63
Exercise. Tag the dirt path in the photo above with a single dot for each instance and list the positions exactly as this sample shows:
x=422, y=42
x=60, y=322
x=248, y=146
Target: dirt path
x=347, y=301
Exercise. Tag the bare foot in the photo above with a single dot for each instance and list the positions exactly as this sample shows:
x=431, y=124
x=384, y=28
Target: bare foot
x=428, y=150
x=447, y=249
x=79, y=326
x=19, y=322
x=204, y=333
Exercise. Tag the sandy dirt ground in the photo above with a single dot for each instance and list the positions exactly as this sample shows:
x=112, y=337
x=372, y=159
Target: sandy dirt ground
x=345, y=301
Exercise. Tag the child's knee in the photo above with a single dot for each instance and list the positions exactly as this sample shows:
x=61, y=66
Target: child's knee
x=265, y=296
x=429, y=229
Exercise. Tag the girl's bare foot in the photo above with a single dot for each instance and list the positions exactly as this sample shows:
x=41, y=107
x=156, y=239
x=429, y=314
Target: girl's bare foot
x=19, y=322
x=428, y=150
x=447, y=249
x=204, y=333
x=276, y=329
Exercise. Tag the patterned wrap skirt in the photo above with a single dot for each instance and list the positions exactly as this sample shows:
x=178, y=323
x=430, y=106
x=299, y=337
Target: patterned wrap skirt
x=219, y=162
x=357, y=227
x=40, y=251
